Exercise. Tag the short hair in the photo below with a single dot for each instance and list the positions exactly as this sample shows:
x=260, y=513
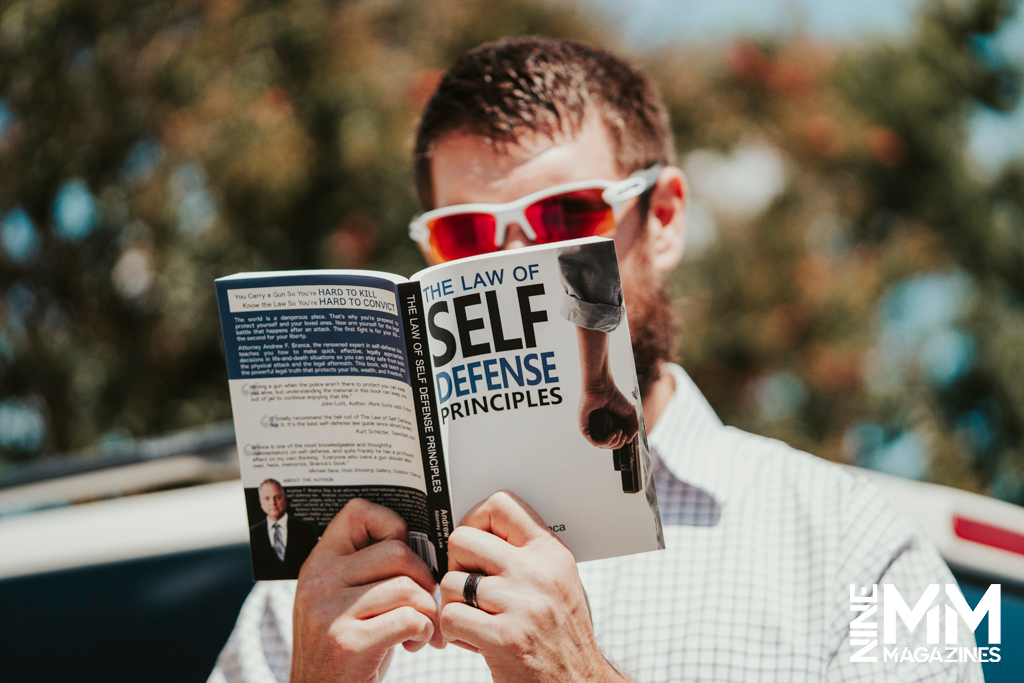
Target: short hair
x=275, y=482
x=504, y=89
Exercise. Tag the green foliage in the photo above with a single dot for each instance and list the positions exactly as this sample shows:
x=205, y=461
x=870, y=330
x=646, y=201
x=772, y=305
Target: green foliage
x=211, y=138
x=853, y=285
x=868, y=313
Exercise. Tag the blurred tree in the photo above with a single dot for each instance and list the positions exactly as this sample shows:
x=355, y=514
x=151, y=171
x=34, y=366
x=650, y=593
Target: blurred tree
x=866, y=304
x=852, y=285
x=149, y=147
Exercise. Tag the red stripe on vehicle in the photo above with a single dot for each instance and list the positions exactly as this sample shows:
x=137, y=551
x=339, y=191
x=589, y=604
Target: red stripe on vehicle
x=986, y=534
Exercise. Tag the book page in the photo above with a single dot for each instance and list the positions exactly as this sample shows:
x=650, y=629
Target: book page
x=322, y=405
x=506, y=333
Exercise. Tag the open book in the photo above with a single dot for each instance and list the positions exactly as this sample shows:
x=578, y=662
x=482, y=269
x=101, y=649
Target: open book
x=428, y=395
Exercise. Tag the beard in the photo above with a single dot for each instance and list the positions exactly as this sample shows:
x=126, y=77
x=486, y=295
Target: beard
x=653, y=322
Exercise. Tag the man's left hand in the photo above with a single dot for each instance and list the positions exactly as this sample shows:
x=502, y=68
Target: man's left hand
x=533, y=622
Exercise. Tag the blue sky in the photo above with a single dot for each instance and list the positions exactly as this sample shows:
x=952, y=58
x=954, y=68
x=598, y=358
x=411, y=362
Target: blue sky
x=995, y=138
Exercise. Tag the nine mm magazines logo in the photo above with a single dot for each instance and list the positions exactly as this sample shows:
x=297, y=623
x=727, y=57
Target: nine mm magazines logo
x=864, y=633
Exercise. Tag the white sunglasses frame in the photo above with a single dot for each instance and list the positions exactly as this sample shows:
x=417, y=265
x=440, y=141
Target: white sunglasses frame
x=615, y=194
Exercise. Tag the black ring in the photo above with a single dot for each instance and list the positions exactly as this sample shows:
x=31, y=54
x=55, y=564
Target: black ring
x=469, y=590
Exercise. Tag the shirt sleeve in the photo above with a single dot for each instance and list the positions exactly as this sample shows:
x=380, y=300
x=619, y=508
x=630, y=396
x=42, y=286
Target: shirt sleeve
x=879, y=546
x=259, y=649
x=593, y=291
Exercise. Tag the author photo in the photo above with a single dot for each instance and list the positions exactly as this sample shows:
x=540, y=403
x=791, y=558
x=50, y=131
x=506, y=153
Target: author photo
x=280, y=542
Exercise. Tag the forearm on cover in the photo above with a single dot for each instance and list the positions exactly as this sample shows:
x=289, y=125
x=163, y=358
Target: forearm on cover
x=594, y=366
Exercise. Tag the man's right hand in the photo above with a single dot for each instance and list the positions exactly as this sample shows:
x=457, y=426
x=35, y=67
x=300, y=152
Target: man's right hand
x=361, y=592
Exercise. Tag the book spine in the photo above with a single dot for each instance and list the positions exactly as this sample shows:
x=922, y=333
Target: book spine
x=421, y=377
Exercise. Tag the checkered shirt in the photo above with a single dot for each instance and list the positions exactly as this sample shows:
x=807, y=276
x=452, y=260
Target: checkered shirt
x=763, y=544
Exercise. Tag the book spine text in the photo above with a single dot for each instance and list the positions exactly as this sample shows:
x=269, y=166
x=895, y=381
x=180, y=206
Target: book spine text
x=421, y=377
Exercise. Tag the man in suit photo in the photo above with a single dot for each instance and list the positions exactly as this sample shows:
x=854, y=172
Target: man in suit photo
x=281, y=542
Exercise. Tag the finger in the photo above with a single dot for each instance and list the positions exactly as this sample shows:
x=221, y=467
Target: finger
x=384, y=560
x=360, y=524
x=461, y=623
x=624, y=409
x=470, y=549
x=632, y=421
x=629, y=414
x=605, y=443
x=436, y=640
x=415, y=645
x=585, y=428
x=384, y=596
x=593, y=440
x=492, y=598
x=400, y=625
x=452, y=585
x=465, y=646
x=507, y=516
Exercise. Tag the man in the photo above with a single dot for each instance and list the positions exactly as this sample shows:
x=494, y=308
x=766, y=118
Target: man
x=280, y=543
x=762, y=542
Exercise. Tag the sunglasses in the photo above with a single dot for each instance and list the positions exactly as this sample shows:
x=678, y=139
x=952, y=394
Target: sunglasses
x=563, y=212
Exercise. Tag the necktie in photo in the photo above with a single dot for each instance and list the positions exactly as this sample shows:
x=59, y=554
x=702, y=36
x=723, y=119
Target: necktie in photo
x=278, y=542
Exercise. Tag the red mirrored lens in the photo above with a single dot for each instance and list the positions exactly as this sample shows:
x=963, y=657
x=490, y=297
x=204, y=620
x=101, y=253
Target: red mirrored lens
x=569, y=216
x=462, y=235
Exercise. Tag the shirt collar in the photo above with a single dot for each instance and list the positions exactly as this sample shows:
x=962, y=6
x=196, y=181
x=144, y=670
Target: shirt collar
x=283, y=521
x=686, y=436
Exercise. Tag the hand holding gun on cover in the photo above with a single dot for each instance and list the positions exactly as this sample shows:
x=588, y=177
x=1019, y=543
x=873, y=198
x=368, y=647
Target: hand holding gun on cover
x=599, y=392
x=608, y=419
x=625, y=458
x=593, y=302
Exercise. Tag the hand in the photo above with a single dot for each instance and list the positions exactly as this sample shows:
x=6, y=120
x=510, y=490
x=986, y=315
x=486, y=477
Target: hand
x=533, y=621
x=361, y=592
x=599, y=392
x=608, y=397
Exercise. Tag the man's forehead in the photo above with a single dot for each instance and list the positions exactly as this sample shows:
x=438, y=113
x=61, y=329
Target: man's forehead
x=468, y=168
x=271, y=486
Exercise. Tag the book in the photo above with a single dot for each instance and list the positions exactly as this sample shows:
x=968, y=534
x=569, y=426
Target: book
x=427, y=395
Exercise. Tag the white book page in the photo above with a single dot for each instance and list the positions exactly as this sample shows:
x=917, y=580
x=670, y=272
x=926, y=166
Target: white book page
x=510, y=417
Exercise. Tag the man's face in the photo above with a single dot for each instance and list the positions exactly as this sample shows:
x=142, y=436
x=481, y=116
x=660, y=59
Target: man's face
x=272, y=501
x=466, y=169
